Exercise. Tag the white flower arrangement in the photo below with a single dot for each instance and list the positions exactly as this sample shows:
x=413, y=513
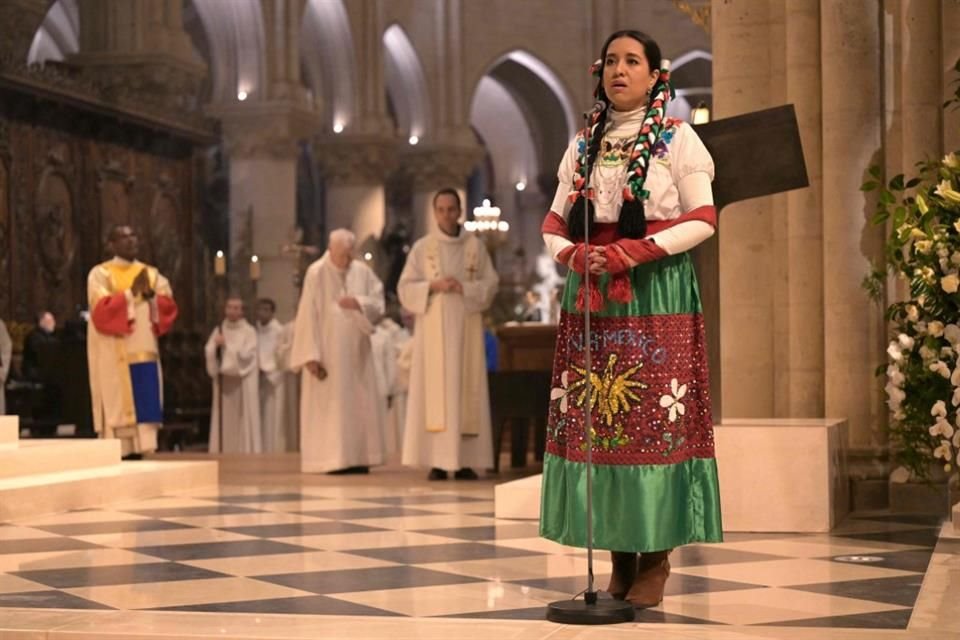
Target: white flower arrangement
x=923, y=369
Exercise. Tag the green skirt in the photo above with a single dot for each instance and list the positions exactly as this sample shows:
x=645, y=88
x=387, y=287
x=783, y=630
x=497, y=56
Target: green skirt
x=655, y=483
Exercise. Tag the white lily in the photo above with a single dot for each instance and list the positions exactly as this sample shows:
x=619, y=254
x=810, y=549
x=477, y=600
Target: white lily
x=945, y=190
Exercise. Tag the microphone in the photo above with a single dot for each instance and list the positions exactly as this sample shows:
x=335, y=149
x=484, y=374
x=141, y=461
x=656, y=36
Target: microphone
x=598, y=107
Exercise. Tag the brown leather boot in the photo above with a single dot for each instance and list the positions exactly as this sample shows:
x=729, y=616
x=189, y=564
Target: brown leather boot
x=624, y=573
x=652, y=572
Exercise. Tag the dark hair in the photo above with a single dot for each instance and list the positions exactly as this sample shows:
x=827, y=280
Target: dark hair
x=632, y=222
x=448, y=191
x=268, y=302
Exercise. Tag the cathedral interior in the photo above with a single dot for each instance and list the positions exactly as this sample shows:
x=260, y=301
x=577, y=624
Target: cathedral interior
x=234, y=135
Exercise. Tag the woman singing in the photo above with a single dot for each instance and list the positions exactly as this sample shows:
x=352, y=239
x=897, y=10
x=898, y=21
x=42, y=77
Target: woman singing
x=648, y=204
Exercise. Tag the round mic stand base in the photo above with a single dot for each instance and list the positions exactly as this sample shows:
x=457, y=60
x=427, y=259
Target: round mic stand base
x=590, y=611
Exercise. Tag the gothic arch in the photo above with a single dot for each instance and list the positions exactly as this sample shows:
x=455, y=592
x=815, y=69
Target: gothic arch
x=58, y=35
x=406, y=83
x=234, y=32
x=691, y=74
x=327, y=59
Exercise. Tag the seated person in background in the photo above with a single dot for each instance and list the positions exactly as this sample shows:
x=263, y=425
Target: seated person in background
x=39, y=344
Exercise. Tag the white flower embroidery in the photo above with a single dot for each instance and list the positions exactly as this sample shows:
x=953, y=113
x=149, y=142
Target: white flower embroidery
x=563, y=392
x=672, y=402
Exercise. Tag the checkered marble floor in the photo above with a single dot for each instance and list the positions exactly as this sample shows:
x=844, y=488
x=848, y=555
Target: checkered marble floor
x=436, y=551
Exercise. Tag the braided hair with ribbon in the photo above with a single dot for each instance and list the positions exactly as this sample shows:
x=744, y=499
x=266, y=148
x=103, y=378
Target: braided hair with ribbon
x=632, y=222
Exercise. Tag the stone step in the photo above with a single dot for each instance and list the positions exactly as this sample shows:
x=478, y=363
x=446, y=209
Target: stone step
x=30, y=457
x=9, y=430
x=518, y=499
x=43, y=493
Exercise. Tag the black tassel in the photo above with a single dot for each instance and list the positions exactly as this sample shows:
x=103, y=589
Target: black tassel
x=633, y=219
x=575, y=224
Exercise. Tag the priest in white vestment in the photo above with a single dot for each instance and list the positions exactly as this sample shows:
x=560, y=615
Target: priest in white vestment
x=291, y=388
x=448, y=282
x=274, y=413
x=131, y=304
x=231, y=354
x=341, y=421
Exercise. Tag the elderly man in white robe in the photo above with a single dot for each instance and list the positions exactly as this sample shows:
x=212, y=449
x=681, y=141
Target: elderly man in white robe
x=448, y=282
x=231, y=354
x=341, y=420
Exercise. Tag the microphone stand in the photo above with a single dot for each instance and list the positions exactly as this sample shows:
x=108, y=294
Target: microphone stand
x=592, y=609
x=220, y=391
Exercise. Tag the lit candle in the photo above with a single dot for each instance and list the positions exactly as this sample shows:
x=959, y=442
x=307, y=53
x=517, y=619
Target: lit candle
x=254, y=268
x=220, y=264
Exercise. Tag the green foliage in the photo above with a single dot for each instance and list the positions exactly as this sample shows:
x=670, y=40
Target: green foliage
x=922, y=251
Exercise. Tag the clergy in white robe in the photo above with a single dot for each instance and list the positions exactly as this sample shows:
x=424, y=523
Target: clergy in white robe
x=341, y=421
x=387, y=341
x=274, y=414
x=448, y=282
x=291, y=389
x=131, y=304
x=231, y=354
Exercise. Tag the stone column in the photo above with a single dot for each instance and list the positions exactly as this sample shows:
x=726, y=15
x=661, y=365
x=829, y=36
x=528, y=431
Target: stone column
x=950, y=48
x=435, y=167
x=854, y=330
x=912, y=78
x=140, y=46
x=355, y=170
x=281, y=25
x=261, y=142
x=799, y=378
x=742, y=50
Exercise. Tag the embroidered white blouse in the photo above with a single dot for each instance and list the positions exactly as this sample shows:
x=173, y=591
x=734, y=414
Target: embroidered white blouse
x=681, y=170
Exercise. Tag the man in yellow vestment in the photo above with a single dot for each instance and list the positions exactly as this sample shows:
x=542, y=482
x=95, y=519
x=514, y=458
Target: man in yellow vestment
x=131, y=304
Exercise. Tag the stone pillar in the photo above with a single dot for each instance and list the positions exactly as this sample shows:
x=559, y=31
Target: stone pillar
x=261, y=142
x=140, y=46
x=950, y=48
x=912, y=78
x=742, y=50
x=355, y=170
x=854, y=330
x=799, y=378
x=281, y=25
x=435, y=167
